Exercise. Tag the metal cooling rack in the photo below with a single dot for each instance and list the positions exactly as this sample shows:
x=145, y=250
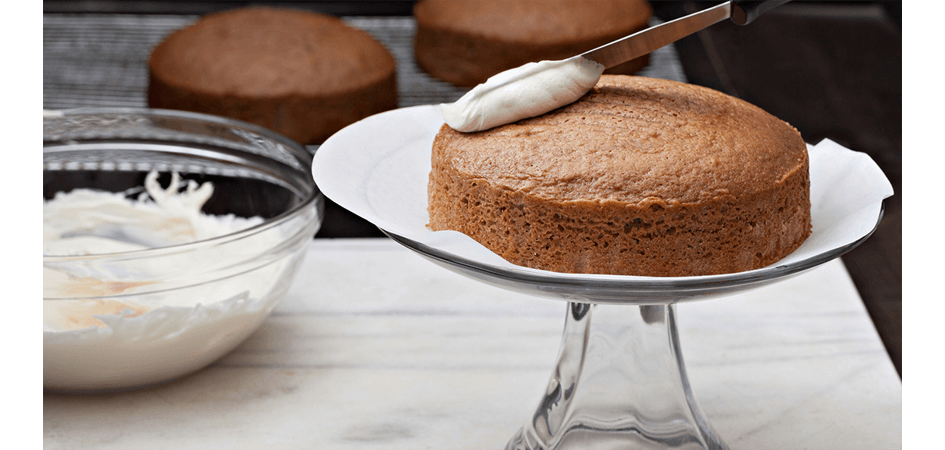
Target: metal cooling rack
x=100, y=60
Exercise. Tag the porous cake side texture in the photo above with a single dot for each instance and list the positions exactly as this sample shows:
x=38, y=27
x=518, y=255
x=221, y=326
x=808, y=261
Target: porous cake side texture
x=466, y=42
x=302, y=74
x=640, y=177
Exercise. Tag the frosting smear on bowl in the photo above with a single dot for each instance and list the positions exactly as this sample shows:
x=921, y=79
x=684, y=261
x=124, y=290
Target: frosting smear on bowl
x=527, y=91
x=104, y=324
x=87, y=222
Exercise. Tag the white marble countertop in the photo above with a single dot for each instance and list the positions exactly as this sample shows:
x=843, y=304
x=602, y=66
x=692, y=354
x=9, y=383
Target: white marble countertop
x=374, y=347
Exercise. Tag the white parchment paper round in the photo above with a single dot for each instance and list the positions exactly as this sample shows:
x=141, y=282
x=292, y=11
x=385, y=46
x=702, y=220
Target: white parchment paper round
x=378, y=168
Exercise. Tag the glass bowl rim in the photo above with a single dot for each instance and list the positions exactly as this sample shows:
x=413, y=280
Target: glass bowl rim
x=297, y=149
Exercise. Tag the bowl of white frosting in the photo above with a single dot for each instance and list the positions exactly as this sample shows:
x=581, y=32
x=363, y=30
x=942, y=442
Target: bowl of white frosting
x=168, y=238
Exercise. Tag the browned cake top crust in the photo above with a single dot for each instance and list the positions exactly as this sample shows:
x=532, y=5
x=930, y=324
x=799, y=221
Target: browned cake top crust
x=676, y=144
x=270, y=52
x=535, y=21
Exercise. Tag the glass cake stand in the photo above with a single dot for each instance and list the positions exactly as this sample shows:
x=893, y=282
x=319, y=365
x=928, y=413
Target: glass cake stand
x=619, y=381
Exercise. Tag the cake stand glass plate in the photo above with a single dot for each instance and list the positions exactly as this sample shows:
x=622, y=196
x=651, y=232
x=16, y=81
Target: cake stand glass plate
x=619, y=381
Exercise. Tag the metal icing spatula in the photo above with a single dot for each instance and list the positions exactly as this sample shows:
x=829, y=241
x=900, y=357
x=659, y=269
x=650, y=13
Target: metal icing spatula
x=536, y=88
x=641, y=43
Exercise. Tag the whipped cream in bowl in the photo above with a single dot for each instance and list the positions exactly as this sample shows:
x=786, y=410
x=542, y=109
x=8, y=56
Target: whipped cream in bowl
x=168, y=238
x=526, y=91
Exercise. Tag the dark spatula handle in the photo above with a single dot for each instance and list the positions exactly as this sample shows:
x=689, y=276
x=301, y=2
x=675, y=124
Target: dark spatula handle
x=744, y=11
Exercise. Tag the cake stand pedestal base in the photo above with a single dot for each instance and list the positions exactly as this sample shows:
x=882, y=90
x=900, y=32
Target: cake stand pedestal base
x=619, y=383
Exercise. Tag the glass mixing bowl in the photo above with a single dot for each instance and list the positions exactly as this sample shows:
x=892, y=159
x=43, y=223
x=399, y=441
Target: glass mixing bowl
x=119, y=319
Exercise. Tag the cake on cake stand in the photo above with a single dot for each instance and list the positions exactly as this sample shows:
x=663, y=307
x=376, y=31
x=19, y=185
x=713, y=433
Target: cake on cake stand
x=619, y=380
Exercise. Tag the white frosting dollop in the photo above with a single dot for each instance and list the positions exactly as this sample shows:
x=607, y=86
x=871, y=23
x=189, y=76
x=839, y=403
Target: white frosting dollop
x=92, y=222
x=106, y=330
x=84, y=222
x=527, y=91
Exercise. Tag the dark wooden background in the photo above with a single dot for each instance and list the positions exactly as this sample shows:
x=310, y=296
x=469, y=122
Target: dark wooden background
x=831, y=69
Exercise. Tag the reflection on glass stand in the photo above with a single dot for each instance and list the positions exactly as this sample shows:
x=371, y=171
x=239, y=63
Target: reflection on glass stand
x=619, y=381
